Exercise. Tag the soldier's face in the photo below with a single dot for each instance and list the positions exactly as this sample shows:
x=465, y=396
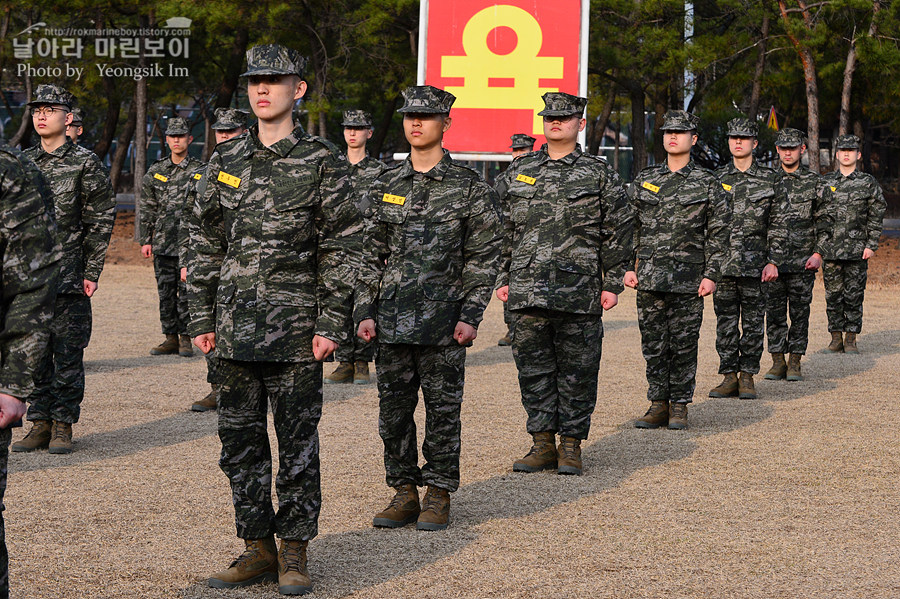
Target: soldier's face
x=178, y=144
x=790, y=156
x=678, y=143
x=848, y=156
x=49, y=124
x=563, y=128
x=272, y=97
x=226, y=134
x=356, y=137
x=519, y=152
x=424, y=130
x=741, y=147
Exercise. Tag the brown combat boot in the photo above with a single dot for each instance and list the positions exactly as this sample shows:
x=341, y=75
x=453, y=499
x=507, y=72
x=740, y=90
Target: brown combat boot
x=505, y=341
x=60, y=438
x=541, y=456
x=569, y=456
x=403, y=509
x=185, y=347
x=850, y=343
x=677, y=416
x=342, y=374
x=837, y=344
x=656, y=416
x=746, y=388
x=727, y=388
x=293, y=577
x=169, y=346
x=793, y=368
x=37, y=438
x=435, y=509
x=258, y=563
x=206, y=404
x=779, y=368
x=361, y=373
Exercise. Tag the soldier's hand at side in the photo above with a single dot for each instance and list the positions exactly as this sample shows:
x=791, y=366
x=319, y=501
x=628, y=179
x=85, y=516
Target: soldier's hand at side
x=464, y=333
x=89, y=287
x=503, y=293
x=366, y=330
x=206, y=342
x=814, y=262
x=184, y=274
x=608, y=300
x=630, y=279
x=146, y=250
x=867, y=253
x=11, y=410
x=323, y=347
x=707, y=287
x=769, y=273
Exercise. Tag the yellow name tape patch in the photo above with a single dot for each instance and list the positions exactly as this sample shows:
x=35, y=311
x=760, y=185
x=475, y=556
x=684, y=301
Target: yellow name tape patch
x=650, y=186
x=726, y=186
x=833, y=188
x=160, y=177
x=392, y=199
x=229, y=180
x=526, y=179
x=198, y=176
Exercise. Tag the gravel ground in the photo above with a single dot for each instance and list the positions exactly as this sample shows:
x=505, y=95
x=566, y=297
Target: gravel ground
x=792, y=495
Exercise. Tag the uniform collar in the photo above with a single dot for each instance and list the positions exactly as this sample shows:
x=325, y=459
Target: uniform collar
x=282, y=147
x=752, y=171
x=543, y=155
x=437, y=172
x=684, y=171
x=59, y=152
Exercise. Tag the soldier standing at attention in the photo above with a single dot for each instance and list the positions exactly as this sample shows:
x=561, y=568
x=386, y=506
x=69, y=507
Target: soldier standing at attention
x=268, y=296
x=164, y=196
x=29, y=258
x=810, y=222
x=680, y=243
x=567, y=241
x=85, y=211
x=431, y=250
x=355, y=357
x=75, y=128
x=521, y=144
x=757, y=241
x=858, y=206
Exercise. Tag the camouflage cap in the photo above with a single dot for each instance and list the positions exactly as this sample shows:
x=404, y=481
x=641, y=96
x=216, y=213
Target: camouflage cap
x=562, y=104
x=521, y=140
x=273, y=59
x=680, y=120
x=77, y=116
x=427, y=99
x=177, y=126
x=789, y=138
x=742, y=127
x=356, y=118
x=52, y=94
x=230, y=118
x=846, y=142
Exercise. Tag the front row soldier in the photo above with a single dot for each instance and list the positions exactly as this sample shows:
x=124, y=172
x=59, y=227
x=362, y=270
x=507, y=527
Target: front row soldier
x=354, y=359
x=810, y=221
x=29, y=264
x=567, y=240
x=680, y=244
x=432, y=245
x=85, y=211
x=164, y=206
x=267, y=297
x=757, y=239
x=859, y=207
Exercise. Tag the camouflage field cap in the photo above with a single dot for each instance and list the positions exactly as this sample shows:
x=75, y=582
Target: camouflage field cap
x=177, y=126
x=230, y=118
x=356, y=118
x=680, y=120
x=52, y=94
x=562, y=104
x=846, y=142
x=77, y=117
x=272, y=59
x=521, y=140
x=789, y=138
x=742, y=127
x=427, y=99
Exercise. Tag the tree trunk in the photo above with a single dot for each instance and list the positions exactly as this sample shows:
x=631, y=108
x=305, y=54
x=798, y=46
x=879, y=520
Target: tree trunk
x=753, y=108
x=233, y=69
x=124, y=140
x=638, y=140
x=113, y=108
x=849, y=68
x=659, y=151
x=812, y=87
x=376, y=144
x=602, y=121
x=140, y=136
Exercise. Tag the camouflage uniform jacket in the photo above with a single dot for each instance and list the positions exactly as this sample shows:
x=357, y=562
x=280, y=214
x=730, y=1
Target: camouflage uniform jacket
x=567, y=232
x=680, y=229
x=29, y=265
x=858, y=207
x=264, y=275
x=431, y=249
x=84, y=208
x=759, y=219
x=351, y=213
x=164, y=203
x=188, y=221
x=809, y=217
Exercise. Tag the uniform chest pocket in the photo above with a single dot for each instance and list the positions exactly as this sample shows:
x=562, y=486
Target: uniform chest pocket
x=293, y=193
x=390, y=213
x=583, y=207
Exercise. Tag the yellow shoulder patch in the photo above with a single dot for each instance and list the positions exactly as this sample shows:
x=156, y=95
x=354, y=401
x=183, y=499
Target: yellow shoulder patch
x=229, y=180
x=162, y=178
x=526, y=179
x=392, y=199
x=198, y=176
x=726, y=186
x=833, y=189
x=650, y=186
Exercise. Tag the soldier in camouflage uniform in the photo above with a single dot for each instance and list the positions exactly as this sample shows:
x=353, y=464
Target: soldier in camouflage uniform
x=567, y=240
x=810, y=222
x=858, y=207
x=164, y=196
x=29, y=264
x=758, y=231
x=267, y=293
x=431, y=250
x=75, y=128
x=355, y=357
x=521, y=144
x=85, y=210
x=680, y=243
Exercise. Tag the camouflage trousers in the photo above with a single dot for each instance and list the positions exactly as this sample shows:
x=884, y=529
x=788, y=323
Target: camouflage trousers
x=440, y=371
x=740, y=306
x=790, y=293
x=173, y=310
x=670, y=331
x=59, y=376
x=558, y=358
x=5, y=438
x=356, y=349
x=212, y=374
x=845, y=285
x=294, y=391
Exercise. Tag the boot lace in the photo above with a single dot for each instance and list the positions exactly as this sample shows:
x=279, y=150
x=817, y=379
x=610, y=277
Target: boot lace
x=60, y=431
x=400, y=498
x=292, y=556
x=567, y=448
x=431, y=502
x=250, y=553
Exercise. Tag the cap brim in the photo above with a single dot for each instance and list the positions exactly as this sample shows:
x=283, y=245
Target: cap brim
x=177, y=132
x=789, y=144
x=224, y=126
x=422, y=110
x=45, y=103
x=847, y=148
x=678, y=128
x=269, y=71
x=547, y=112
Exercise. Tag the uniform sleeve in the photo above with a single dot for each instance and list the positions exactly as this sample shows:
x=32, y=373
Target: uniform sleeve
x=718, y=223
x=875, y=215
x=777, y=231
x=631, y=192
x=149, y=208
x=508, y=229
x=616, y=232
x=209, y=245
x=823, y=216
x=98, y=215
x=481, y=253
